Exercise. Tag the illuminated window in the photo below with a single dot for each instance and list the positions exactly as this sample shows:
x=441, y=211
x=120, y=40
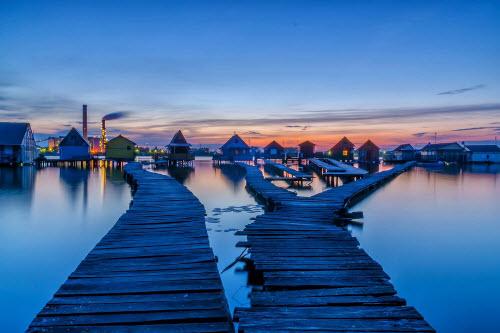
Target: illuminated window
x=345, y=152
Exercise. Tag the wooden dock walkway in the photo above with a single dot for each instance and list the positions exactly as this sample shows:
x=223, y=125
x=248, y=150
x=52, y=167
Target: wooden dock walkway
x=314, y=276
x=331, y=167
x=154, y=271
x=287, y=172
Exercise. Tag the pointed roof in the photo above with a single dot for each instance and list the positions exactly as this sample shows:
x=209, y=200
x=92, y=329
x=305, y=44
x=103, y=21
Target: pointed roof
x=73, y=138
x=343, y=142
x=178, y=140
x=235, y=142
x=274, y=144
x=121, y=137
x=367, y=145
x=306, y=143
x=12, y=134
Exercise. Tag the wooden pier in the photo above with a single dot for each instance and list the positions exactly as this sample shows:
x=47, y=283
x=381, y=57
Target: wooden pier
x=287, y=173
x=313, y=275
x=154, y=271
x=330, y=167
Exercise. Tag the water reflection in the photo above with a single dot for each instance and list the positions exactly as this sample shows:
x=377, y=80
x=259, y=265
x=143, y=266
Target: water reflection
x=370, y=167
x=182, y=174
x=436, y=233
x=229, y=208
x=76, y=181
x=50, y=219
x=17, y=186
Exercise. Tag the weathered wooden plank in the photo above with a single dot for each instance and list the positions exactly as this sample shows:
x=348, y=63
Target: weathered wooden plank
x=315, y=276
x=154, y=271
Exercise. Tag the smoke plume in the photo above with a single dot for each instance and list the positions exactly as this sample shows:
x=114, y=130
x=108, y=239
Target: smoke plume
x=116, y=115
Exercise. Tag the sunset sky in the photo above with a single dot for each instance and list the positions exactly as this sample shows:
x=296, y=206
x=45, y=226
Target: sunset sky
x=394, y=72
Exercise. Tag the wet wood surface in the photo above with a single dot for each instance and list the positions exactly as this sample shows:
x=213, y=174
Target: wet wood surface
x=315, y=277
x=154, y=271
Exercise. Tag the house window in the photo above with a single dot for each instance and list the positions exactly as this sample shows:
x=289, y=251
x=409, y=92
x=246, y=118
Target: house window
x=345, y=152
x=129, y=148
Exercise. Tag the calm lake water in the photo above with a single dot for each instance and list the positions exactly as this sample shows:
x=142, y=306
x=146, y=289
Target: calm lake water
x=436, y=232
x=229, y=208
x=49, y=220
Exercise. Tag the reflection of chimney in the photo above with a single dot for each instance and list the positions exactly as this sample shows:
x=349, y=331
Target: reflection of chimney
x=84, y=122
x=102, y=144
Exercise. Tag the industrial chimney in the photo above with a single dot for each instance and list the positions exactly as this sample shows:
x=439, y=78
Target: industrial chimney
x=84, y=122
x=102, y=143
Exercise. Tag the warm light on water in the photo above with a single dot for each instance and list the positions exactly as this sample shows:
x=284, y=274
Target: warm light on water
x=229, y=208
x=436, y=233
x=50, y=219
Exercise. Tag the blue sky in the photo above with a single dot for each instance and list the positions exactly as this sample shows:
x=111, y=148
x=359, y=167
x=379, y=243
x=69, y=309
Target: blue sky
x=287, y=69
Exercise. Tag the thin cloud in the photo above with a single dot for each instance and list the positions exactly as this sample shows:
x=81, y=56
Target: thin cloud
x=420, y=134
x=253, y=133
x=496, y=128
x=341, y=115
x=462, y=90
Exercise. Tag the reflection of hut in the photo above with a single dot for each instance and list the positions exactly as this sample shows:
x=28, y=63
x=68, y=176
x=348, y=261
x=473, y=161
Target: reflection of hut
x=179, y=150
x=342, y=151
x=181, y=174
x=235, y=149
x=368, y=153
x=274, y=150
x=17, y=144
x=73, y=178
x=306, y=149
x=74, y=147
x=120, y=149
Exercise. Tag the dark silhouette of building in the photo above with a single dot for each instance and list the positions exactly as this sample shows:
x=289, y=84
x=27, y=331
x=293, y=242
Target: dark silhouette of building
x=274, y=150
x=483, y=153
x=342, y=151
x=179, y=149
x=84, y=122
x=17, y=144
x=306, y=149
x=74, y=147
x=402, y=153
x=445, y=152
x=235, y=149
x=368, y=153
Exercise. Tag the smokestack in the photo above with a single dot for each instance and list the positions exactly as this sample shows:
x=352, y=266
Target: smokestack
x=84, y=122
x=102, y=144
